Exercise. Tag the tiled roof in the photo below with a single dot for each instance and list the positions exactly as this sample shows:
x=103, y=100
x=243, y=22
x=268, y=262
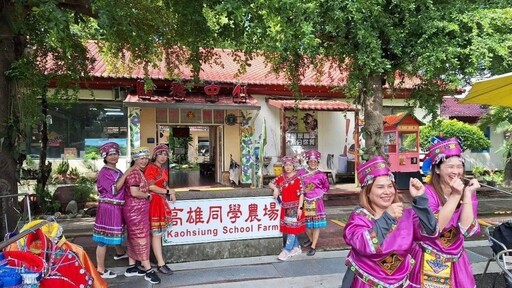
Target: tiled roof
x=451, y=108
x=402, y=118
x=257, y=73
x=195, y=101
x=315, y=105
x=392, y=120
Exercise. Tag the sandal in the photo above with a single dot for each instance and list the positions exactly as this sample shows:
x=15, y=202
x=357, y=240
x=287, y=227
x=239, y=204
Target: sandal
x=311, y=252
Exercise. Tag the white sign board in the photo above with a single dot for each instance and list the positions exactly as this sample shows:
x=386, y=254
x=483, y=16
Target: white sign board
x=223, y=219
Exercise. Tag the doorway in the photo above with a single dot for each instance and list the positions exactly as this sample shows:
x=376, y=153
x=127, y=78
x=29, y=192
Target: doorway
x=193, y=154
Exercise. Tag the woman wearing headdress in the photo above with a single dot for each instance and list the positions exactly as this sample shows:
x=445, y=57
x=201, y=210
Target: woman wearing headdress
x=157, y=176
x=109, y=225
x=315, y=186
x=288, y=188
x=136, y=216
x=381, y=232
x=443, y=260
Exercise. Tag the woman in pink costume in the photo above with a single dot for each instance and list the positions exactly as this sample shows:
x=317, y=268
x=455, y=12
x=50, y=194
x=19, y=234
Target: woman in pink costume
x=315, y=185
x=109, y=225
x=442, y=260
x=136, y=216
x=381, y=232
x=157, y=176
x=289, y=186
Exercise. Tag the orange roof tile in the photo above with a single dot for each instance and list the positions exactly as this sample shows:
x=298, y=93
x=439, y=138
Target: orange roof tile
x=257, y=73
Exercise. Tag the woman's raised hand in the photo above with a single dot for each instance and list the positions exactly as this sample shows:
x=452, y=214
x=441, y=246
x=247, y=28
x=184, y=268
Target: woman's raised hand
x=472, y=186
x=396, y=210
x=416, y=188
x=457, y=186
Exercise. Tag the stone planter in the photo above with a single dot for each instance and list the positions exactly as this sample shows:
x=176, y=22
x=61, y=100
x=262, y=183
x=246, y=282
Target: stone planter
x=64, y=194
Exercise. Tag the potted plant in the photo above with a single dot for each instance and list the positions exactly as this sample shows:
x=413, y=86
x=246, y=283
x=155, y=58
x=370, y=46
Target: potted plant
x=478, y=173
x=83, y=192
x=492, y=178
x=73, y=174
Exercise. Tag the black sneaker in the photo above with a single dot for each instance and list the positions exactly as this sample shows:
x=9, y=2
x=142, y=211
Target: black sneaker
x=307, y=243
x=134, y=271
x=164, y=269
x=119, y=257
x=311, y=252
x=151, y=277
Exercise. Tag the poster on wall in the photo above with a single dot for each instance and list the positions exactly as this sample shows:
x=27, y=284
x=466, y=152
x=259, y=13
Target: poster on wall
x=163, y=134
x=93, y=144
x=301, y=128
x=223, y=219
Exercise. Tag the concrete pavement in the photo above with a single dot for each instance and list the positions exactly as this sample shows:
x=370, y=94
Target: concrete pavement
x=325, y=269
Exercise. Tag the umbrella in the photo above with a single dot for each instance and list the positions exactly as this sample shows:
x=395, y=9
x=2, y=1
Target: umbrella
x=495, y=91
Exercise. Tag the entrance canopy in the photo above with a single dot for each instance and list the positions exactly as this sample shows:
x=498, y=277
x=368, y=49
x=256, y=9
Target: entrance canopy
x=312, y=105
x=191, y=102
x=495, y=91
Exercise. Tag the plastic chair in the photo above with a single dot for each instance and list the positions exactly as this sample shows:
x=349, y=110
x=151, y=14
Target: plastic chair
x=499, y=246
x=504, y=260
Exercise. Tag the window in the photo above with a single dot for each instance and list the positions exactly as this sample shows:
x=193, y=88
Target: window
x=408, y=142
x=83, y=126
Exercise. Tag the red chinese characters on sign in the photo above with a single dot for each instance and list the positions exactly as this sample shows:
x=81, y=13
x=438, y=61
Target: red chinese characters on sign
x=223, y=219
x=176, y=220
x=253, y=213
x=215, y=214
x=234, y=212
x=195, y=216
x=271, y=211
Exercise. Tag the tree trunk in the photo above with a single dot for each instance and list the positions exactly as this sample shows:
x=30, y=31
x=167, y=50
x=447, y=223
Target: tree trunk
x=11, y=49
x=507, y=173
x=373, y=120
x=44, y=169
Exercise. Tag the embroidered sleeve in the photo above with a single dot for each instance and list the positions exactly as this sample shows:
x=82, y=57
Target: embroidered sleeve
x=106, y=182
x=325, y=183
x=366, y=234
x=151, y=174
x=134, y=179
x=474, y=227
x=471, y=230
x=300, y=191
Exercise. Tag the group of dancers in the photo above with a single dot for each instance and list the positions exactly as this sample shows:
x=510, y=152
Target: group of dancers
x=391, y=245
x=301, y=192
x=133, y=205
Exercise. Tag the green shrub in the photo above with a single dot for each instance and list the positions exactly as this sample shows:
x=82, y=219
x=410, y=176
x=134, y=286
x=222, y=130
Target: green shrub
x=472, y=137
x=478, y=172
x=84, y=190
x=63, y=167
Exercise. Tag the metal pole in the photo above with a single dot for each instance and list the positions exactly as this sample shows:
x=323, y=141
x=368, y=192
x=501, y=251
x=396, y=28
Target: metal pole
x=21, y=235
x=493, y=188
x=27, y=199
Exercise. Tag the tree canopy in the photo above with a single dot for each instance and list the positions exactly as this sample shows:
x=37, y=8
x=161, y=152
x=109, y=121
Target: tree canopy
x=443, y=43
